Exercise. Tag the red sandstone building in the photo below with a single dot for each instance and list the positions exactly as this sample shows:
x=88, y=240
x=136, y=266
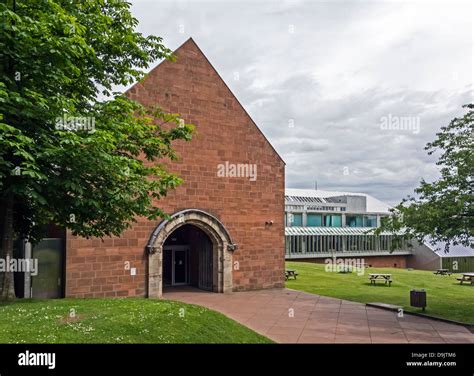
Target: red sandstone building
x=227, y=226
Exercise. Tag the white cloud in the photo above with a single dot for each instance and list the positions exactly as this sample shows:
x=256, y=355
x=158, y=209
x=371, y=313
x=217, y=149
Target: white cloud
x=332, y=70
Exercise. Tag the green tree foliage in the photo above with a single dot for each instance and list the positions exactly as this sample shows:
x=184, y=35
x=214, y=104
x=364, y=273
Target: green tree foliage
x=443, y=211
x=58, y=59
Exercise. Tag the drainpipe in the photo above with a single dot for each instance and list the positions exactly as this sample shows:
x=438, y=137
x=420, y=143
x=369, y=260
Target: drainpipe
x=27, y=286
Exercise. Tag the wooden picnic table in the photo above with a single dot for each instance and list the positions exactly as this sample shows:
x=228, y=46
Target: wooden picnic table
x=290, y=273
x=442, y=272
x=466, y=277
x=374, y=277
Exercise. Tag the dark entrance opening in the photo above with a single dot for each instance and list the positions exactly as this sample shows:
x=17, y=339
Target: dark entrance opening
x=188, y=259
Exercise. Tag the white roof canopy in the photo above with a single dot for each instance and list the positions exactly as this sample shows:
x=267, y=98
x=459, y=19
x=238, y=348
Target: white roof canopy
x=331, y=231
x=373, y=205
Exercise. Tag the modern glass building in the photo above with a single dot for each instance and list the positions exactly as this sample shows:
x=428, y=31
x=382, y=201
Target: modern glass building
x=322, y=224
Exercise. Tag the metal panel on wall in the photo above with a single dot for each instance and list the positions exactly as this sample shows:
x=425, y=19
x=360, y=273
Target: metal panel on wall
x=47, y=283
x=205, y=280
x=459, y=264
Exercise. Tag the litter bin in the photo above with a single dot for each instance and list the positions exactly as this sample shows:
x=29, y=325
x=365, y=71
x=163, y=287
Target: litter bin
x=418, y=298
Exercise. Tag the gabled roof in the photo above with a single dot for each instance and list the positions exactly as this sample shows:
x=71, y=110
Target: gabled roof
x=190, y=40
x=458, y=250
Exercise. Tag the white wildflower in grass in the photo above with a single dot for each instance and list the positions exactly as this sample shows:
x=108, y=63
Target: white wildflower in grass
x=81, y=327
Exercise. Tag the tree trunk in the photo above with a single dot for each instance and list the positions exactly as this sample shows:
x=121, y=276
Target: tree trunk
x=8, y=286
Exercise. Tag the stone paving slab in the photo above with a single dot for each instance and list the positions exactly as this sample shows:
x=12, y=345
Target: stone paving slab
x=289, y=316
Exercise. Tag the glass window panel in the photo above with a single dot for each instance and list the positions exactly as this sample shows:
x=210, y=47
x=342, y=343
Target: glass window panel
x=327, y=220
x=297, y=219
x=314, y=220
x=336, y=221
x=354, y=221
x=370, y=221
x=332, y=220
x=294, y=219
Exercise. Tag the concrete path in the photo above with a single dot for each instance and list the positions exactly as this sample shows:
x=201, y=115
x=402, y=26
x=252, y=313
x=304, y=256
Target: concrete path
x=289, y=316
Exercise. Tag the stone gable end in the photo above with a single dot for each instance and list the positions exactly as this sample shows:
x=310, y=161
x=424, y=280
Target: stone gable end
x=252, y=210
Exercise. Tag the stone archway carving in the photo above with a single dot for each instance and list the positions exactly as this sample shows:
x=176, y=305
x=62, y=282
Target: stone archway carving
x=223, y=247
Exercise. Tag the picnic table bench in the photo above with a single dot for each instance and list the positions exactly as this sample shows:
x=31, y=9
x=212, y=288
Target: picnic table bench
x=290, y=273
x=442, y=272
x=466, y=277
x=374, y=277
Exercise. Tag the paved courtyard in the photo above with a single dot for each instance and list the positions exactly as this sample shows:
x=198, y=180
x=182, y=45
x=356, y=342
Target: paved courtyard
x=289, y=316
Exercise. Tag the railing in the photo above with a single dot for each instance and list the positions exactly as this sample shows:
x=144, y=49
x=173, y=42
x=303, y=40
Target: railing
x=313, y=246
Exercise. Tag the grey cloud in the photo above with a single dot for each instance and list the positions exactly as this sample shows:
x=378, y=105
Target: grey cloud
x=319, y=90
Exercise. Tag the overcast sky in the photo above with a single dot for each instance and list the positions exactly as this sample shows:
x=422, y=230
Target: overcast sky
x=328, y=82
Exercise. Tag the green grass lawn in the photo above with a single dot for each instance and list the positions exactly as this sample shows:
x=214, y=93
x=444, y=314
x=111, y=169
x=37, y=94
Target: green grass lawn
x=129, y=320
x=445, y=296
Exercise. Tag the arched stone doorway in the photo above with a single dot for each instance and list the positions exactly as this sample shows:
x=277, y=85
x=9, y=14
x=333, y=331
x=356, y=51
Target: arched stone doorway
x=180, y=224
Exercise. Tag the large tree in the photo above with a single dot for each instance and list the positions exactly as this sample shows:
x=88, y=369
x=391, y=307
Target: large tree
x=58, y=58
x=443, y=210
